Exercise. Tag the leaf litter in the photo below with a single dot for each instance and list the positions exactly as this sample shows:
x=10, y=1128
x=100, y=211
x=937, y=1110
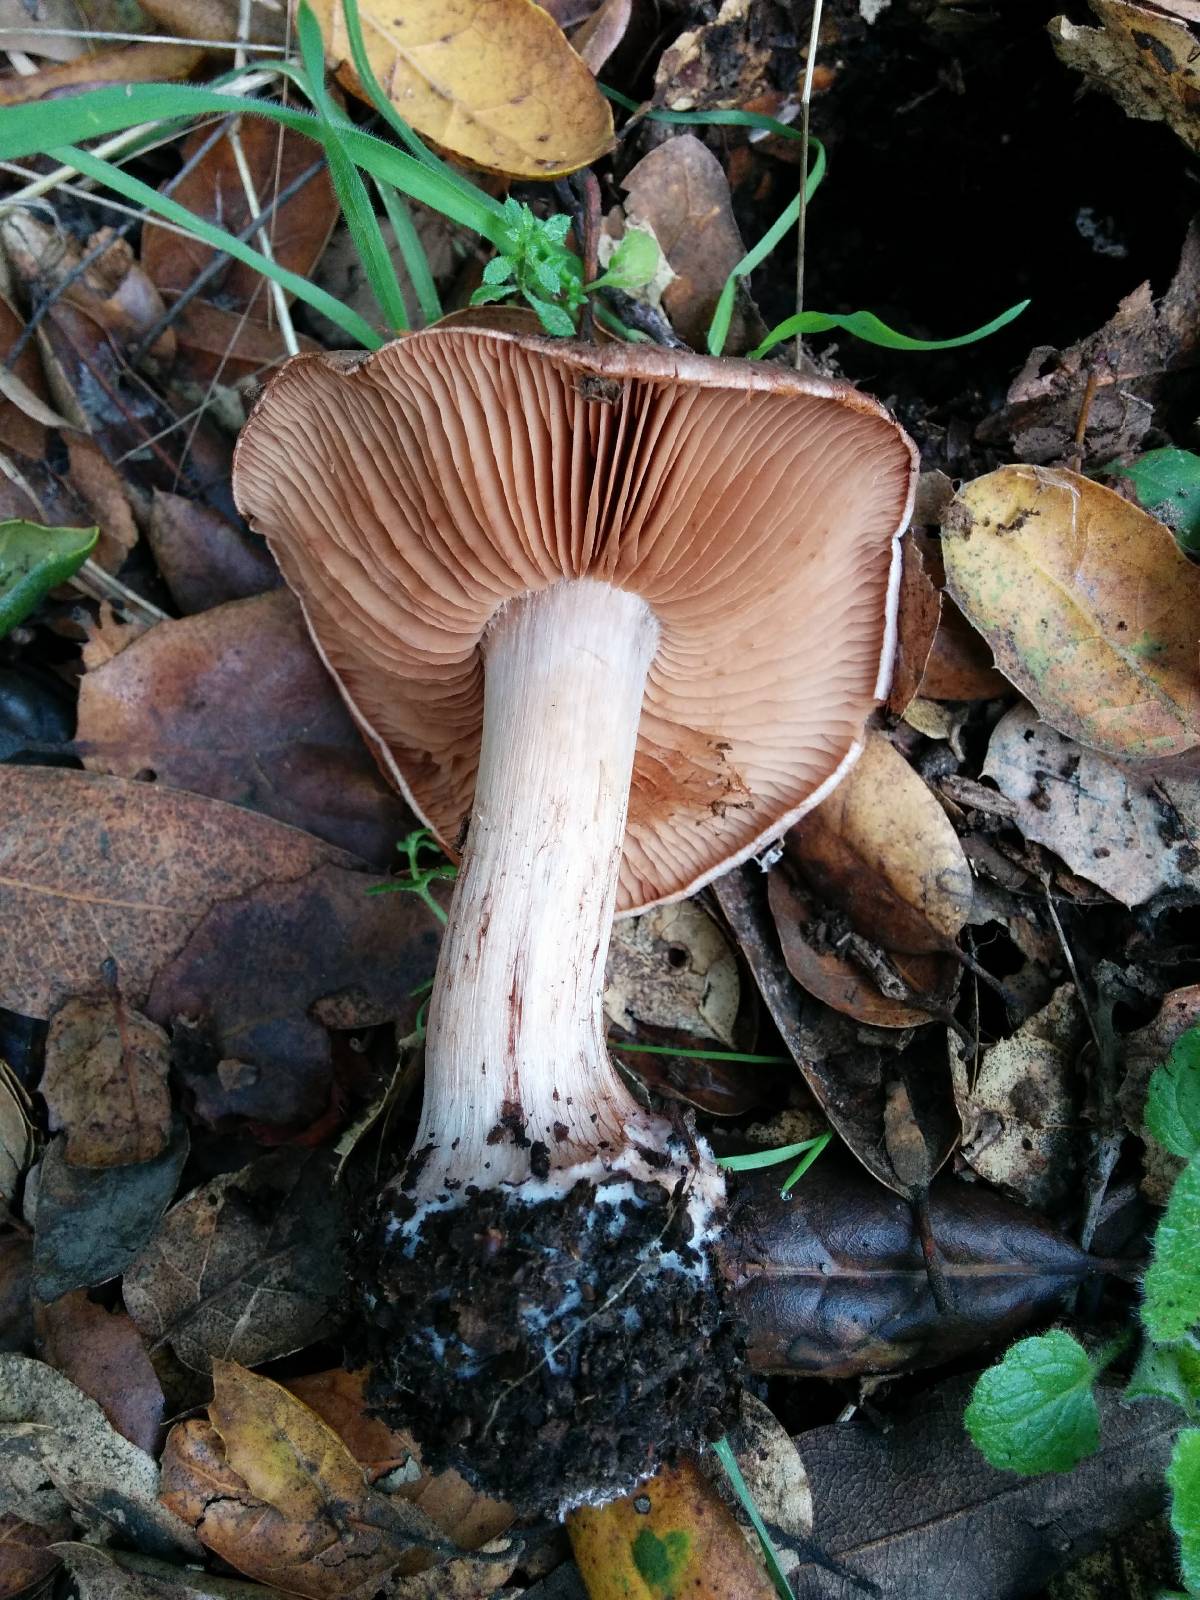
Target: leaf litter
x=967, y=962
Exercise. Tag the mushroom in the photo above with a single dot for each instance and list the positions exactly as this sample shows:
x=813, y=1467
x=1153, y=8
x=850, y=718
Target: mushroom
x=626, y=609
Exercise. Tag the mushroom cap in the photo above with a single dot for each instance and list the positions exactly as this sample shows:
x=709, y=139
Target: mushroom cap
x=407, y=494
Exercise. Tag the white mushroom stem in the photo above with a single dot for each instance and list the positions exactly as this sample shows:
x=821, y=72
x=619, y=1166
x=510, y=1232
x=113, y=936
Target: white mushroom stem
x=517, y=1076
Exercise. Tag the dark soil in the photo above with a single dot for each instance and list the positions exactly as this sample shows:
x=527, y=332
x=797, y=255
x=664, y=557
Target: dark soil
x=554, y=1353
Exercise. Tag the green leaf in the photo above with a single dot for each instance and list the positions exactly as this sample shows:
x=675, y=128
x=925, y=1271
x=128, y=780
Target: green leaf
x=547, y=274
x=1167, y=484
x=1171, y=1291
x=557, y=227
x=867, y=326
x=1173, y=1103
x=1035, y=1411
x=1183, y=1475
x=1167, y=1372
x=488, y=292
x=34, y=560
x=499, y=269
x=633, y=263
x=553, y=318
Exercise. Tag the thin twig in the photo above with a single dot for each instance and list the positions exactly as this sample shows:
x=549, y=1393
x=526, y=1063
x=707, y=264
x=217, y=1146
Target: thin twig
x=802, y=220
x=133, y=38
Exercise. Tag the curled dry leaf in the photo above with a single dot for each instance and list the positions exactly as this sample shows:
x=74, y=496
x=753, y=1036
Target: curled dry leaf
x=234, y=703
x=673, y=1535
x=102, y=1353
x=882, y=849
x=1131, y=831
x=440, y=62
x=821, y=967
x=1143, y=56
x=939, y=656
x=120, y=872
x=673, y=968
x=680, y=192
x=843, y=1063
x=1088, y=603
x=273, y=1491
x=830, y=1280
x=247, y=1267
x=105, y=1082
x=57, y=1446
x=1022, y=1116
x=143, y=63
x=1124, y=367
x=16, y=1134
x=940, y=1520
x=90, y=1222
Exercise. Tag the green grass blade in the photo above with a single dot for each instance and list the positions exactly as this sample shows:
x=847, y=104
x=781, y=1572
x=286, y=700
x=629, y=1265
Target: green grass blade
x=724, y=1454
x=802, y=1166
x=867, y=326
x=413, y=251
x=162, y=205
x=353, y=198
x=755, y=1160
x=718, y=330
x=36, y=127
x=702, y=119
x=704, y=1055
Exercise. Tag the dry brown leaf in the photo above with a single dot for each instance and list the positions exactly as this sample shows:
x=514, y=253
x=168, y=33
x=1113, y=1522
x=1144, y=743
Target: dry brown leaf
x=497, y=86
x=1141, y=55
x=599, y=35
x=471, y=1519
x=105, y=1082
x=920, y=609
x=674, y=1535
x=774, y=1474
x=681, y=193
x=247, y=1267
x=882, y=849
x=836, y=978
x=224, y=346
x=1022, y=1116
x=142, y=63
x=261, y=22
x=1132, y=832
x=213, y=189
x=101, y=490
x=16, y=1133
x=235, y=703
x=1088, y=603
x=21, y=431
x=274, y=1492
x=102, y=1353
x=203, y=559
x=123, y=1575
x=25, y=1559
x=96, y=870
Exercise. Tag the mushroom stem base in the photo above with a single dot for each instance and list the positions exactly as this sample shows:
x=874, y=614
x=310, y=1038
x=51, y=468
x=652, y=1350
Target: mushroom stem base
x=556, y=1352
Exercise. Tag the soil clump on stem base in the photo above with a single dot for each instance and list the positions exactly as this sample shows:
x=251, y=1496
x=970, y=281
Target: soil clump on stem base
x=553, y=1352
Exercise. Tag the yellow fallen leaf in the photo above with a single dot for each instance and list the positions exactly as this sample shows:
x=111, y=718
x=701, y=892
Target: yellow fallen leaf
x=274, y=1491
x=673, y=1537
x=492, y=81
x=1089, y=605
x=1143, y=56
x=883, y=850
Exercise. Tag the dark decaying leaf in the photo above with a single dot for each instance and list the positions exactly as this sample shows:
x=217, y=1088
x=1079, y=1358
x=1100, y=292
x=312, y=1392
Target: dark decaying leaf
x=103, y=1355
x=234, y=703
x=97, y=870
x=16, y=1307
x=830, y=1279
x=916, y=1511
x=203, y=559
x=326, y=954
x=105, y=1082
x=246, y=1268
x=91, y=1221
x=25, y=1557
x=845, y=1070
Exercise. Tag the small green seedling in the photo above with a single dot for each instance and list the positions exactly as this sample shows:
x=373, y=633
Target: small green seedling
x=415, y=879
x=1036, y=1410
